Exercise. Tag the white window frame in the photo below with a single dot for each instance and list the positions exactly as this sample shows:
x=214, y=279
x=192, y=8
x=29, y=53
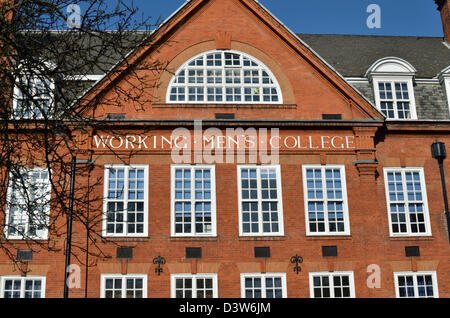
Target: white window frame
x=17, y=93
x=415, y=274
x=193, y=200
x=104, y=277
x=444, y=79
x=386, y=170
x=125, y=200
x=447, y=90
x=325, y=200
x=330, y=278
x=174, y=277
x=260, y=66
x=263, y=277
x=22, y=284
x=392, y=80
x=28, y=171
x=259, y=200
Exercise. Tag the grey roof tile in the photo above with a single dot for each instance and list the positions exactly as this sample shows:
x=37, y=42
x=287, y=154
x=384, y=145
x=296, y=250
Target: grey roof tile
x=352, y=55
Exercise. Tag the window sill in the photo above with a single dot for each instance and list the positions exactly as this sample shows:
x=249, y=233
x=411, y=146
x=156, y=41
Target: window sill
x=412, y=238
x=24, y=240
x=194, y=239
x=125, y=239
x=262, y=238
x=328, y=237
x=401, y=119
x=228, y=105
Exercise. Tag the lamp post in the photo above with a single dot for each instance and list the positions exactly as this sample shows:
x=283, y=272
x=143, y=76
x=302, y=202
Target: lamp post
x=439, y=153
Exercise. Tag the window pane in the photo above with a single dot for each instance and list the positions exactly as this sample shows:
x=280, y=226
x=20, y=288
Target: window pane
x=260, y=201
x=406, y=202
x=33, y=98
x=325, y=195
x=332, y=285
x=395, y=100
x=22, y=288
x=194, y=286
x=125, y=201
x=29, y=204
x=192, y=197
x=415, y=285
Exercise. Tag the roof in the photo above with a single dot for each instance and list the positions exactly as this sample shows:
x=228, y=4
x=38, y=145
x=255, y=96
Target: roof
x=80, y=53
x=352, y=55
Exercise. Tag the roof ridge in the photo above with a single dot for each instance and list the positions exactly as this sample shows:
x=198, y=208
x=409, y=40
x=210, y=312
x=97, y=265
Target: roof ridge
x=372, y=36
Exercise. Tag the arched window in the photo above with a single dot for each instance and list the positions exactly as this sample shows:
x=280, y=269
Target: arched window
x=224, y=77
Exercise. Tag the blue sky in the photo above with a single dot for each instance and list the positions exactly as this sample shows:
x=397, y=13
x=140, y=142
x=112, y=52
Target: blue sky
x=398, y=17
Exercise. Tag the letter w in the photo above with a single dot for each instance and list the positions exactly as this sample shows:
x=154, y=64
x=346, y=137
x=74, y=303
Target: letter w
x=101, y=141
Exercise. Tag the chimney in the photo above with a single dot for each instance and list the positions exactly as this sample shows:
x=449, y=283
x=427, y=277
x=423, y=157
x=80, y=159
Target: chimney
x=444, y=8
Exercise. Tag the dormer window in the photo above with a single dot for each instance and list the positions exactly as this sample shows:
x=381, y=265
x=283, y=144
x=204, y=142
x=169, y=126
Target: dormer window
x=224, y=77
x=33, y=97
x=392, y=80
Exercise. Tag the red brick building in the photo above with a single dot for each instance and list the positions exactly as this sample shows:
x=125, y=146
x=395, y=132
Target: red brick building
x=348, y=182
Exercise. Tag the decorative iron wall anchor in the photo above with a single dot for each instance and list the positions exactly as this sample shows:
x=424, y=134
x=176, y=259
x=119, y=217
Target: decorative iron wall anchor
x=297, y=260
x=160, y=261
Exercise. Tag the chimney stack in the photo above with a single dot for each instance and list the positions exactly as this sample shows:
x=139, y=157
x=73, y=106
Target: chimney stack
x=444, y=8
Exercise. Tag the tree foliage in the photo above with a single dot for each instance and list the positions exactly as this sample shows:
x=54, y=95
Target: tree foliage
x=52, y=53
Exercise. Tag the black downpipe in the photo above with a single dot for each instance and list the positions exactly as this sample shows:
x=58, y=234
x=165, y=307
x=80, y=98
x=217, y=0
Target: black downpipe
x=69, y=226
x=444, y=191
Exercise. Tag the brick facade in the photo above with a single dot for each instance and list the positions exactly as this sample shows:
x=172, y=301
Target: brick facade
x=310, y=89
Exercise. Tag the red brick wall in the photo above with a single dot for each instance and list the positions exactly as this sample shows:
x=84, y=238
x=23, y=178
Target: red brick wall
x=228, y=255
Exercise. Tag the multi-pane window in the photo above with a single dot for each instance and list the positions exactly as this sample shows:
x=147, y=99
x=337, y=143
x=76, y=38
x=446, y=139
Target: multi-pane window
x=270, y=285
x=194, y=286
x=193, y=201
x=33, y=97
x=124, y=286
x=416, y=285
x=28, y=203
x=332, y=285
x=125, y=200
x=325, y=196
x=396, y=99
x=407, y=201
x=260, y=202
x=224, y=77
x=22, y=287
